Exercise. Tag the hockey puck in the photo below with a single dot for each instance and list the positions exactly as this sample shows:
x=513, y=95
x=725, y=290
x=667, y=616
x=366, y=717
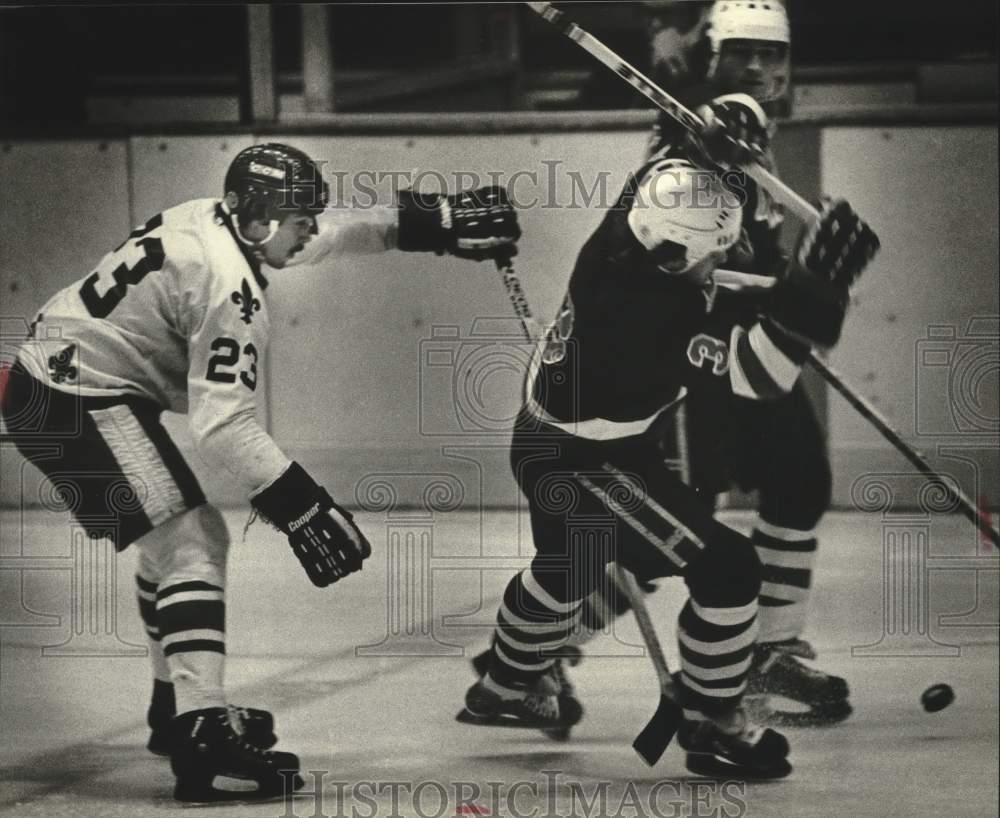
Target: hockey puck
x=937, y=697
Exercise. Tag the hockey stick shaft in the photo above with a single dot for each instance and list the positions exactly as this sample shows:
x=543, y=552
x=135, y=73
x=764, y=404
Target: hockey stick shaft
x=655, y=737
x=626, y=581
x=781, y=192
x=831, y=376
x=875, y=418
x=515, y=292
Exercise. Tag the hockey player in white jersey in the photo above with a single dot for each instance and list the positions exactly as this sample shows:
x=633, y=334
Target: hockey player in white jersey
x=175, y=318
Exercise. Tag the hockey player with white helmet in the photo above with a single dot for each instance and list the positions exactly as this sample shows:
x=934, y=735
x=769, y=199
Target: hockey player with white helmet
x=750, y=42
x=175, y=318
x=640, y=327
x=764, y=446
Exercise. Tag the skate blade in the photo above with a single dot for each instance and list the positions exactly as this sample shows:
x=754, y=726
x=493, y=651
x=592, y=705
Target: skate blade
x=713, y=766
x=236, y=790
x=821, y=715
x=503, y=720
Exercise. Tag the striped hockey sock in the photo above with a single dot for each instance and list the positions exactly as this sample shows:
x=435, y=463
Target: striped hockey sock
x=716, y=648
x=145, y=591
x=531, y=625
x=787, y=556
x=191, y=617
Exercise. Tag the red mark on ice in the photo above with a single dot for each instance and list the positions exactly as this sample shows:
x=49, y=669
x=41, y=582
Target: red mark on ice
x=471, y=809
x=4, y=376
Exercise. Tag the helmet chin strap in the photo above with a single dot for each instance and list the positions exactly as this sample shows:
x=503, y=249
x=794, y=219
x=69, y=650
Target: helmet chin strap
x=272, y=229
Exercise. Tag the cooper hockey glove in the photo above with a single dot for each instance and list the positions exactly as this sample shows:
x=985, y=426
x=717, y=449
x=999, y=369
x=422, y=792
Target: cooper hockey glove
x=839, y=245
x=322, y=534
x=478, y=224
x=735, y=131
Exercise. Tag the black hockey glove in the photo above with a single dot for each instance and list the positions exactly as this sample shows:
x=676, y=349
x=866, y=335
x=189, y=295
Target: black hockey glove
x=808, y=308
x=322, y=534
x=735, y=131
x=478, y=224
x=839, y=245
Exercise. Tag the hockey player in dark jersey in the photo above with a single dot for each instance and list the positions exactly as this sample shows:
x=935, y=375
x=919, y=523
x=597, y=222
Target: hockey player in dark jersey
x=767, y=447
x=640, y=326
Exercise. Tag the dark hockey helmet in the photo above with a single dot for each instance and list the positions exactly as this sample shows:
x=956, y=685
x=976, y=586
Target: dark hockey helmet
x=274, y=180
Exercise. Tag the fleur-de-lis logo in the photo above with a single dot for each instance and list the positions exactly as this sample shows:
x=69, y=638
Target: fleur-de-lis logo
x=61, y=367
x=248, y=304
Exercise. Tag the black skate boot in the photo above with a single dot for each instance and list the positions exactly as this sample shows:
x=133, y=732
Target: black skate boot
x=213, y=762
x=554, y=683
x=778, y=671
x=256, y=726
x=535, y=711
x=731, y=746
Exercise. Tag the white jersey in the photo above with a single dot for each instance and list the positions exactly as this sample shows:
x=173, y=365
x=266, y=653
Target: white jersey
x=177, y=315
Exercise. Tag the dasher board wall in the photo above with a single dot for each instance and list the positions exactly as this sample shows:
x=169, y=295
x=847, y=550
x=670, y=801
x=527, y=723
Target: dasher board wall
x=397, y=375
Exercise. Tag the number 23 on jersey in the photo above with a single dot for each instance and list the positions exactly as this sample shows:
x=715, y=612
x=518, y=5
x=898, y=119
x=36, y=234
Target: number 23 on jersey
x=130, y=262
x=227, y=356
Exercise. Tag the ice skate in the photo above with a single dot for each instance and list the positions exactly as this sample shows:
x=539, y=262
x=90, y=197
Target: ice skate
x=732, y=746
x=215, y=762
x=534, y=711
x=257, y=726
x=778, y=671
x=554, y=683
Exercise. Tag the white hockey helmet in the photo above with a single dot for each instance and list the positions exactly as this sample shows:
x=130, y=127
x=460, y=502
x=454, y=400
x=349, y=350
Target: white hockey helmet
x=682, y=213
x=764, y=20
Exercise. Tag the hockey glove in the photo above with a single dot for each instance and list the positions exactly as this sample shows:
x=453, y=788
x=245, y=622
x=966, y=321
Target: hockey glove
x=478, y=224
x=735, y=131
x=808, y=308
x=322, y=534
x=839, y=245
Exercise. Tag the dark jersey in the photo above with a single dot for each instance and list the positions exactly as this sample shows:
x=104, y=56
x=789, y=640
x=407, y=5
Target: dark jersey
x=629, y=337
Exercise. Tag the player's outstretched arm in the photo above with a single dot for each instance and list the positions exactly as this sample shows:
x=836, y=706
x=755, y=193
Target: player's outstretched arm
x=478, y=224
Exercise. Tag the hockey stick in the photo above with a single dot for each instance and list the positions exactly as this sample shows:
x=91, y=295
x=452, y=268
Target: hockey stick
x=511, y=283
x=657, y=734
x=728, y=278
x=875, y=418
x=781, y=192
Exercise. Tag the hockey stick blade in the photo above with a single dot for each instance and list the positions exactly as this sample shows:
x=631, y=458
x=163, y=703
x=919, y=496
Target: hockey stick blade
x=781, y=192
x=656, y=736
